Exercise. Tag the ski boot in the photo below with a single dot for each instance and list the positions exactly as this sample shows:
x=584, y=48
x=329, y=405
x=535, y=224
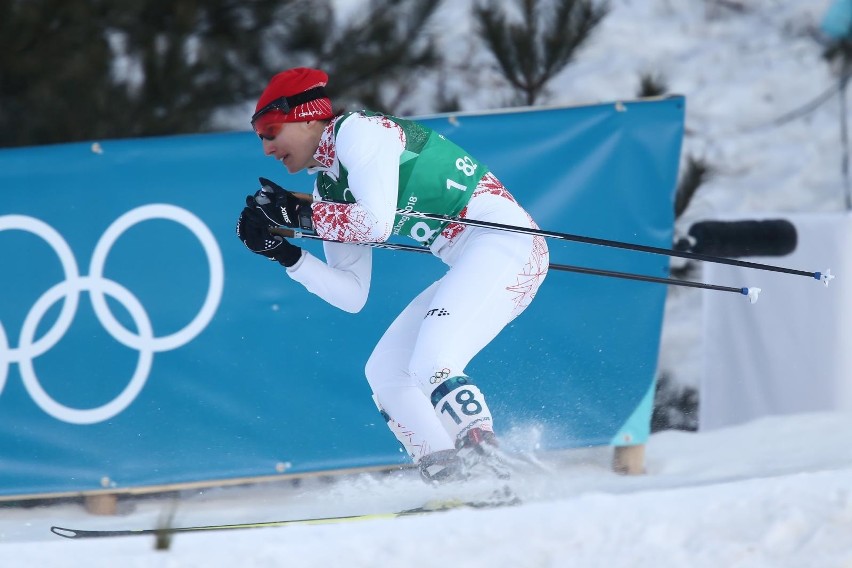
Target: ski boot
x=480, y=455
x=441, y=467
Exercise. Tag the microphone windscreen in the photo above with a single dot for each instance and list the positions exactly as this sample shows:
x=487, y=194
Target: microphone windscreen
x=771, y=237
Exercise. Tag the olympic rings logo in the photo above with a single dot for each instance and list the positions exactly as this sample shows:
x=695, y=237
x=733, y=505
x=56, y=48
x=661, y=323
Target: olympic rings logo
x=440, y=376
x=98, y=287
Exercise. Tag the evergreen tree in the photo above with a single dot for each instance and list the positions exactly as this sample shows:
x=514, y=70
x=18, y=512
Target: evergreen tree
x=675, y=406
x=193, y=58
x=651, y=85
x=374, y=60
x=696, y=172
x=530, y=53
x=55, y=64
x=94, y=69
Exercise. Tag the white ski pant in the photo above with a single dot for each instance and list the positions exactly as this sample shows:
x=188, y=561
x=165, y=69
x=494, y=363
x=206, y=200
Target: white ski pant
x=493, y=276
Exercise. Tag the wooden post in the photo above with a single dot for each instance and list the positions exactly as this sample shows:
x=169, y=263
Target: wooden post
x=629, y=460
x=101, y=504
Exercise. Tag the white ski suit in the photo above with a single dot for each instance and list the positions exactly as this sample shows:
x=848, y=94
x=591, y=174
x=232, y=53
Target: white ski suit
x=372, y=165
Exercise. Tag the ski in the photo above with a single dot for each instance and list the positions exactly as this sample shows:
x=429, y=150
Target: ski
x=435, y=507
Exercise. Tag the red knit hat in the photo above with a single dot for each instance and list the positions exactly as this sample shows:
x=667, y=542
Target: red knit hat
x=273, y=105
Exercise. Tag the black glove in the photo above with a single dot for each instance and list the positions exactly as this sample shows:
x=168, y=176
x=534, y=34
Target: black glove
x=280, y=206
x=253, y=230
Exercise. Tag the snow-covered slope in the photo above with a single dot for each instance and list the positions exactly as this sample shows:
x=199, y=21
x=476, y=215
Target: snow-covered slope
x=774, y=493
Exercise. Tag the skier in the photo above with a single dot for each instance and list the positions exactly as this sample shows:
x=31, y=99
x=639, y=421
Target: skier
x=368, y=165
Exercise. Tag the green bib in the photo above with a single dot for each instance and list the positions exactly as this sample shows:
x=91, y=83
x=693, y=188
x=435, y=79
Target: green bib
x=435, y=176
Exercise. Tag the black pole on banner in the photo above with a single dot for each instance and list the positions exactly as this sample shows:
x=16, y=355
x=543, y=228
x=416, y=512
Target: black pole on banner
x=751, y=293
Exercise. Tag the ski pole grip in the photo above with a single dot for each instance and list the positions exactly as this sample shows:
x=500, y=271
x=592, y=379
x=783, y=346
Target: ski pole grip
x=284, y=232
x=303, y=197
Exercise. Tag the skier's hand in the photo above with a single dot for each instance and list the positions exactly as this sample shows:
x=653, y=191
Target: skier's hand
x=280, y=207
x=253, y=231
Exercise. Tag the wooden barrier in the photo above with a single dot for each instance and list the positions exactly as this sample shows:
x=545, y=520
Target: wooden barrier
x=629, y=460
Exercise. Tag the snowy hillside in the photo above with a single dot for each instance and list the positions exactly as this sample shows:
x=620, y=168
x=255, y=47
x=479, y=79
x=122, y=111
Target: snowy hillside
x=775, y=493
x=739, y=70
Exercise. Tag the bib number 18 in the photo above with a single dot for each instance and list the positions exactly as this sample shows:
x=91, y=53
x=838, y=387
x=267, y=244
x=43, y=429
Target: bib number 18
x=466, y=166
x=466, y=403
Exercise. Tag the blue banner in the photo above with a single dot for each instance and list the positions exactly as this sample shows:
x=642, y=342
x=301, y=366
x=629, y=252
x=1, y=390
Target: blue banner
x=837, y=22
x=141, y=343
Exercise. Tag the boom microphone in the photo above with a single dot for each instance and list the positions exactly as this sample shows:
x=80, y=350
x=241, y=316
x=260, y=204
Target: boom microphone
x=771, y=237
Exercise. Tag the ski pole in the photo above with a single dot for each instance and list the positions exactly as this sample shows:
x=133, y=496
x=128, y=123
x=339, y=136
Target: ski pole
x=823, y=277
x=751, y=293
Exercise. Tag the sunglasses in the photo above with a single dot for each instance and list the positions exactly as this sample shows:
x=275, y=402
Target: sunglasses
x=269, y=125
x=268, y=121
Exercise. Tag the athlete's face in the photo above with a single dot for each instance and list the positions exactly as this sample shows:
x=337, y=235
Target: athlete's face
x=293, y=143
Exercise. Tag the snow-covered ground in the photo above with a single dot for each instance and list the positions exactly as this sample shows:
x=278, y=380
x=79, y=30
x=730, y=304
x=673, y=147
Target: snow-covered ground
x=773, y=493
